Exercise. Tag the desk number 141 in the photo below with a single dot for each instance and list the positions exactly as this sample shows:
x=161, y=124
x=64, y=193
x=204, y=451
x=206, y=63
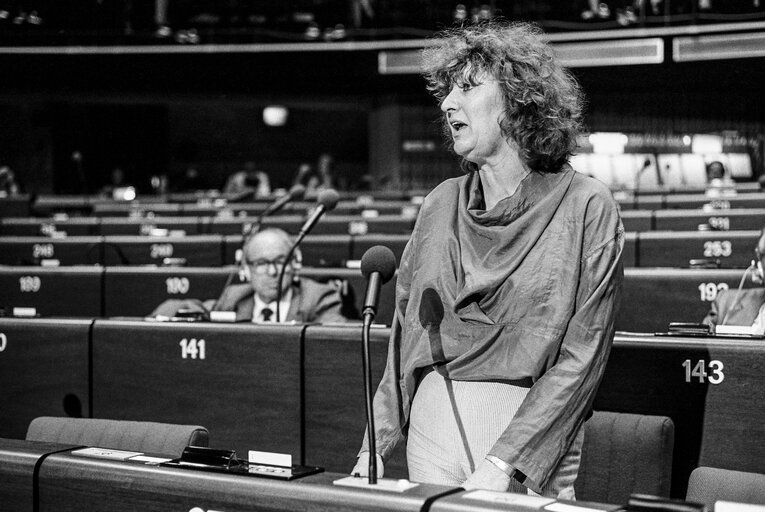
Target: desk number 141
x=713, y=372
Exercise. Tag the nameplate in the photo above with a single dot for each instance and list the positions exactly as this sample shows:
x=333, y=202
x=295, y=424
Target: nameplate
x=730, y=506
x=223, y=316
x=25, y=312
x=105, y=453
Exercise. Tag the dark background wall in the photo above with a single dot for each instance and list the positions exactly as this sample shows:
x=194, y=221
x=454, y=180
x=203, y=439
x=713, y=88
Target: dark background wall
x=159, y=114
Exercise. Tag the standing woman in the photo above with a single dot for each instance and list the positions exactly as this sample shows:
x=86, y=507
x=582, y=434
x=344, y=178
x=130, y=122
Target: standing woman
x=508, y=287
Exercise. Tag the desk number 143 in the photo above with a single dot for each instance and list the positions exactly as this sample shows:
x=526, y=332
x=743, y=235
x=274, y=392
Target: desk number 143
x=713, y=372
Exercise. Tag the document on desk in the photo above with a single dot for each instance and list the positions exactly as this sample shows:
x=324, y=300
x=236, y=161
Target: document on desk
x=105, y=453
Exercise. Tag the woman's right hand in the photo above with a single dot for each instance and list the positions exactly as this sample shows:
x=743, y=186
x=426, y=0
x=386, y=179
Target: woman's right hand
x=362, y=466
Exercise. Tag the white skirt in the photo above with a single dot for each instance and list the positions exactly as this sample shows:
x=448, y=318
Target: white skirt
x=453, y=425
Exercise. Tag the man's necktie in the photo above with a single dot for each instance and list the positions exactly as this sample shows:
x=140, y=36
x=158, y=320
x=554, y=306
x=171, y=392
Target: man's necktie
x=267, y=314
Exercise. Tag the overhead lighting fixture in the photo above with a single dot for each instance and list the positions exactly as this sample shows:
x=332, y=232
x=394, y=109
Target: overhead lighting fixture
x=707, y=144
x=609, y=143
x=275, y=115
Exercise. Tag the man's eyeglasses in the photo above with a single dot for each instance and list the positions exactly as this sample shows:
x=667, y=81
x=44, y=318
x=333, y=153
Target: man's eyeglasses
x=262, y=266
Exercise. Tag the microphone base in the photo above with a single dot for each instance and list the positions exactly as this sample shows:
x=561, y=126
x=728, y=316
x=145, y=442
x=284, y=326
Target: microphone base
x=383, y=484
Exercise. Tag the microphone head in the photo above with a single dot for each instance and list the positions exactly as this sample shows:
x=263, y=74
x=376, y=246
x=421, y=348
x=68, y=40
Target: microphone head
x=297, y=191
x=328, y=198
x=379, y=259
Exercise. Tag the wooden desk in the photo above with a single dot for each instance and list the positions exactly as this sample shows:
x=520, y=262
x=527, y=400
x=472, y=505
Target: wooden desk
x=240, y=381
x=53, y=291
x=734, y=249
x=43, y=371
x=719, y=418
x=654, y=297
x=30, y=250
x=198, y=251
x=18, y=459
x=136, y=291
x=317, y=250
x=71, y=483
x=30, y=226
x=723, y=220
x=335, y=418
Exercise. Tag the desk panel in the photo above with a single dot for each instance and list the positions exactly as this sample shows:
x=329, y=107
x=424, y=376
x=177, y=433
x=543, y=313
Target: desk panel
x=722, y=220
x=80, y=250
x=145, y=226
x=14, y=206
x=43, y=371
x=334, y=402
x=357, y=287
x=124, y=209
x=71, y=483
x=198, y=251
x=654, y=297
x=318, y=250
x=136, y=291
x=17, y=463
x=734, y=249
x=245, y=390
x=53, y=291
x=660, y=376
x=637, y=220
x=748, y=200
x=395, y=243
x=75, y=226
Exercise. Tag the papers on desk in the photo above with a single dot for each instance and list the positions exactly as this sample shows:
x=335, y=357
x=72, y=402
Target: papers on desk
x=105, y=453
x=729, y=506
x=736, y=330
x=521, y=500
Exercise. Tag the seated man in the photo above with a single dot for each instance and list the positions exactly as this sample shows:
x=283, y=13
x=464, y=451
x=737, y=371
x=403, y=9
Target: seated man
x=746, y=307
x=303, y=300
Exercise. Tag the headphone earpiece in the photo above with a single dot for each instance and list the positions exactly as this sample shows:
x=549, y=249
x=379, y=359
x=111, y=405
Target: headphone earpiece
x=297, y=260
x=244, y=269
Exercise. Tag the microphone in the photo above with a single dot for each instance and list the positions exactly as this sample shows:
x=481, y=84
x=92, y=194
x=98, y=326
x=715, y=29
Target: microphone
x=752, y=266
x=378, y=266
x=295, y=193
x=326, y=200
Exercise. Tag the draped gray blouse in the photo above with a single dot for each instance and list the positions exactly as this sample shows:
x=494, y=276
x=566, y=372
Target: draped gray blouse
x=524, y=292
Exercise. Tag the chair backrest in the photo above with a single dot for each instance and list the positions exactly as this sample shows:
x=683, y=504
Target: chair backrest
x=625, y=454
x=143, y=436
x=708, y=485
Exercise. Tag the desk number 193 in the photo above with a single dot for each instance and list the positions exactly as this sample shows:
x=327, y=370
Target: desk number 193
x=714, y=374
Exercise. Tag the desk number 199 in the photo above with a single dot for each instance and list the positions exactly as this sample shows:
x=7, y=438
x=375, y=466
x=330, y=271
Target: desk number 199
x=192, y=348
x=715, y=367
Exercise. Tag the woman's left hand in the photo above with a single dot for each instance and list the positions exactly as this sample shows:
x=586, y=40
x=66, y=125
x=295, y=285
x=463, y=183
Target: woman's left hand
x=487, y=476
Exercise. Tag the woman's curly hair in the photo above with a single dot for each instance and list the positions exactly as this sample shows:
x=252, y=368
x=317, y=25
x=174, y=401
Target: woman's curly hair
x=543, y=102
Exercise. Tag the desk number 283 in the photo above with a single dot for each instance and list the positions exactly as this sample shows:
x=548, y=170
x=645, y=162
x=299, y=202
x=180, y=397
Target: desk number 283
x=713, y=372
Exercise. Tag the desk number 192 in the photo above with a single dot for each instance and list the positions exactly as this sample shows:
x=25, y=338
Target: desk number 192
x=715, y=374
x=192, y=348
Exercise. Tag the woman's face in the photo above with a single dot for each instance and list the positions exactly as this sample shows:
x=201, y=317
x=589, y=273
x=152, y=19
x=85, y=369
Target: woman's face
x=473, y=114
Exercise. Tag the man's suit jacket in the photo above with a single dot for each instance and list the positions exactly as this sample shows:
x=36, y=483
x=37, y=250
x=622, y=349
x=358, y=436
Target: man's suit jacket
x=743, y=312
x=311, y=302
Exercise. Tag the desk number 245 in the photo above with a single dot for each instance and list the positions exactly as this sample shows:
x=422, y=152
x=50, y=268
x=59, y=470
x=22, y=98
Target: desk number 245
x=712, y=372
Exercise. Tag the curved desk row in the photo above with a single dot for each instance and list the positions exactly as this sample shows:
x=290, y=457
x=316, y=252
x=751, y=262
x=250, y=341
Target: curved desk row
x=652, y=298
x=298, y=389
x=335, y=223
x=727, y=249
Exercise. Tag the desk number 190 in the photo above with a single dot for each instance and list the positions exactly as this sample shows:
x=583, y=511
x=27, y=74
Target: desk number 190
x=192, y=348
x=714, y=376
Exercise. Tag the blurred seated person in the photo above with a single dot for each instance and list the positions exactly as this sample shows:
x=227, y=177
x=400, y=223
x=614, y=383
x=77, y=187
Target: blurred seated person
x=8, y=184
x=320, y=179
x=717, y=175
x=248, y=181
x=303, y=300
x=745, y=307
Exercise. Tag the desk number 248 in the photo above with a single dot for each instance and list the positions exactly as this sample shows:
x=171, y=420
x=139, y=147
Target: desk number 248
x=712, y=372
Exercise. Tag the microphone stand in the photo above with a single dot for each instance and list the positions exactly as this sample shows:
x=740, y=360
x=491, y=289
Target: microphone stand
x=367, y=364
x=287, y=261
